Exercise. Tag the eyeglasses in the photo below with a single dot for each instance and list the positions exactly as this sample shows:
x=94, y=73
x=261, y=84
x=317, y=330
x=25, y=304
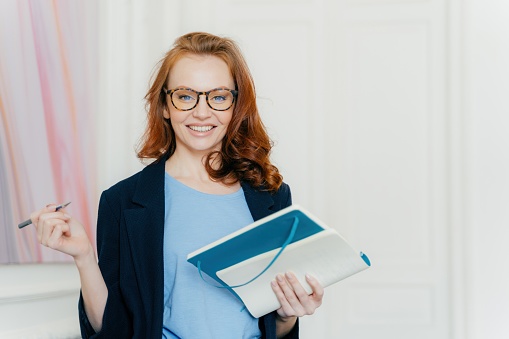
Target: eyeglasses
x=185, y=99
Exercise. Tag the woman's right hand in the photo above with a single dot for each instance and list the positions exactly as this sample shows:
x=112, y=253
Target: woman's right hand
x=59, y=231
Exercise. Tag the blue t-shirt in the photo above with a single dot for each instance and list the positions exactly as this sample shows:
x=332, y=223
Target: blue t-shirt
x=193, y=308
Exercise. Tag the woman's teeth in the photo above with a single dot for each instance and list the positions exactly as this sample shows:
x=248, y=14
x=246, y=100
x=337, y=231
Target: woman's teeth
x=201, y=128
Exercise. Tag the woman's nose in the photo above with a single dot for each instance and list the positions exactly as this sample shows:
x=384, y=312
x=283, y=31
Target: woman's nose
x=202, y=109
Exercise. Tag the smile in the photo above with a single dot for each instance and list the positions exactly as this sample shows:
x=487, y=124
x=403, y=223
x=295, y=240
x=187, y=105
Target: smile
x=201, y=128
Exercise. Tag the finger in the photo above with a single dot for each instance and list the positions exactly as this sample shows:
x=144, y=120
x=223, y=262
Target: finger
x=296, y=285
x=60, y=215
x=34, y=216
x=303, y=298
x=56, y=236
x=318, y=290
x=285, y=309
x=65, y=228
x=290, y=296
x=46, y=226
x=39, y=226
x=45, y=219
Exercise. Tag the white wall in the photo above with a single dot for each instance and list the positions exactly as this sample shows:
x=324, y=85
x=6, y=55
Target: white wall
x=486, y=88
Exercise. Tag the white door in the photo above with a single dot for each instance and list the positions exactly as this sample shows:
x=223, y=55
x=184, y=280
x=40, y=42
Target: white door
x=353, y=92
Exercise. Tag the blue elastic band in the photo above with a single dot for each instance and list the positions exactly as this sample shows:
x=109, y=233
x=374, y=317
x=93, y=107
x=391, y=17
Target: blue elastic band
x=286, y=243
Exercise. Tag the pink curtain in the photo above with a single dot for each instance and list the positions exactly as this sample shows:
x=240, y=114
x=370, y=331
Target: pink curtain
x=48, y=99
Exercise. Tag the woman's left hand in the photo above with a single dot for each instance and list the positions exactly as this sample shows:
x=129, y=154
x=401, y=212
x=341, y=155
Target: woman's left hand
x=294, y=300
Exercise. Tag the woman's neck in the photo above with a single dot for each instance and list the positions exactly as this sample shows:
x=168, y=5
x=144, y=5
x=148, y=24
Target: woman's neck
x=190, y=170
x=181, y=165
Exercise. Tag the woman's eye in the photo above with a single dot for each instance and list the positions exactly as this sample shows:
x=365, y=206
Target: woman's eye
x=219, y=98
x=185, y=98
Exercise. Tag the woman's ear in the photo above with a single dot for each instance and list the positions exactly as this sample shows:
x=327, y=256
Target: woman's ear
x=166, y=113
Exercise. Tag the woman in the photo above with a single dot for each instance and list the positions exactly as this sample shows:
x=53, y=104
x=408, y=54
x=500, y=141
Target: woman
x=211, y=176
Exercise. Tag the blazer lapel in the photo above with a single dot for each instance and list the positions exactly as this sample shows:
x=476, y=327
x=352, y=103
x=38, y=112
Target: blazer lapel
x=259, y=202
x=145, y=226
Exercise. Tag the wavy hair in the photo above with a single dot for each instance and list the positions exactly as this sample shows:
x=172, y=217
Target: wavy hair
x=245, y=149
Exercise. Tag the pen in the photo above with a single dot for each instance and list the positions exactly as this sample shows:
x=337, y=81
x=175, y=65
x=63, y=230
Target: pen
x=29, y=221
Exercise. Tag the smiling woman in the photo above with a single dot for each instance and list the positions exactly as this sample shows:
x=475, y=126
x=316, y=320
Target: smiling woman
x=210, y=175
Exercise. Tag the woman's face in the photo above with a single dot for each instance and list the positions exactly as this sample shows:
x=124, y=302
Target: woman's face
x=201, y=129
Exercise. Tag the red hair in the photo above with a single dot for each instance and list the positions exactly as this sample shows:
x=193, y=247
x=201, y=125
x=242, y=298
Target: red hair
x=245, y=149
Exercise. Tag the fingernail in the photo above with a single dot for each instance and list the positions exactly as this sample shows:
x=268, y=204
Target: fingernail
x=273, y=283
x=308, y=277
x=289, y=275
x=279, y=277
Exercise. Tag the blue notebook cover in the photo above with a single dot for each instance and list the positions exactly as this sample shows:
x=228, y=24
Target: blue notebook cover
x=262, y=236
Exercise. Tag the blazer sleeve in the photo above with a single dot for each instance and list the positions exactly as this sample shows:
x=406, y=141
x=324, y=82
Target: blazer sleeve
x=267, y=323
x=116, y=319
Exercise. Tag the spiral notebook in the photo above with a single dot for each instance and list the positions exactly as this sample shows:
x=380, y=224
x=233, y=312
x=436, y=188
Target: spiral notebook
x=293, y=240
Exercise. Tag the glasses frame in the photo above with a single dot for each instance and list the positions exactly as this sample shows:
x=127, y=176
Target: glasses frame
x=199, y=94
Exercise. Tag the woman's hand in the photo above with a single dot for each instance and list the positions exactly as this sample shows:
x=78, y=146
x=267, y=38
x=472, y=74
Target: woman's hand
x=59, y=231
x=294, y=300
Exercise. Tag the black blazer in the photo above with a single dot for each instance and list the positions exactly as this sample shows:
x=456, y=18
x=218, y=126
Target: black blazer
x=130, y=229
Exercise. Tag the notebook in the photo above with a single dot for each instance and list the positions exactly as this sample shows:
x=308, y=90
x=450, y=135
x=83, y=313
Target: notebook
x=292, y=239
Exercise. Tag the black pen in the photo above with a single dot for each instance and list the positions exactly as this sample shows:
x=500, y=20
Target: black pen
x=29, y=221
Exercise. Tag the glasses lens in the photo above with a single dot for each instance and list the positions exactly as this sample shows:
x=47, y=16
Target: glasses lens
x=221, y=99
x=184, y=99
